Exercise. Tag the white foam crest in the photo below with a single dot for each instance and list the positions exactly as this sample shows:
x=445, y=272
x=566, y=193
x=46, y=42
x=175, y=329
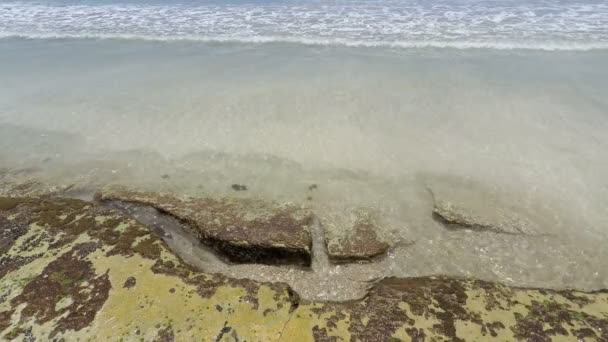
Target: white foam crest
x=546, y=25
x=462, y=45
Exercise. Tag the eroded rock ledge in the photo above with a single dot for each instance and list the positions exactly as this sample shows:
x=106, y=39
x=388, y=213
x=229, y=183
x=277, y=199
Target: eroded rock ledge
x=254, y=230
x=65, y=263
x=243, y=230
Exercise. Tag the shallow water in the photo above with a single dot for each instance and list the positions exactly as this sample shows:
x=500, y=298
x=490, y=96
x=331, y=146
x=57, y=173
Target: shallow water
x=370, y=126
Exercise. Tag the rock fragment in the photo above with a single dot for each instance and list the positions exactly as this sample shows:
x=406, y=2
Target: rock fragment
x=239, y=187
x=354, y=237
x=130, y=282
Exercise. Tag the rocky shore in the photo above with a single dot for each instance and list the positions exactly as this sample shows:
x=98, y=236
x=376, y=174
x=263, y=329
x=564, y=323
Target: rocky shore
x=83, y=270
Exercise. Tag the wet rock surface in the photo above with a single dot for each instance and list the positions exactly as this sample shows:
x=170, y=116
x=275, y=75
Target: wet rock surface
x=65, y=264
x=241, y=229
x=359, y=242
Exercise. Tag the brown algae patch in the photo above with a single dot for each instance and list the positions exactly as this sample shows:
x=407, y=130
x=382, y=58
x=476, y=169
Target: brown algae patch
x=68, y=279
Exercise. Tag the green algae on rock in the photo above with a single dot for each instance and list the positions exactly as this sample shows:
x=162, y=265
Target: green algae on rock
x=242, y=229
x=75, y=258
x=445, y=309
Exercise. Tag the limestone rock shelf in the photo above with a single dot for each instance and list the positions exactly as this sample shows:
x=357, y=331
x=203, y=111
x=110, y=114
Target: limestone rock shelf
x=74, y=270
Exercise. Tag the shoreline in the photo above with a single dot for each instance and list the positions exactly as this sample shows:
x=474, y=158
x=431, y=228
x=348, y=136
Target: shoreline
x=408, y=244
x=397, y=46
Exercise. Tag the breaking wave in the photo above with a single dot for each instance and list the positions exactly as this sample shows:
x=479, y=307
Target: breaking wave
x=544, y=25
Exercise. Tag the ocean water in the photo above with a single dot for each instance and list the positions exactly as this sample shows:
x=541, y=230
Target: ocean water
x=371, y=100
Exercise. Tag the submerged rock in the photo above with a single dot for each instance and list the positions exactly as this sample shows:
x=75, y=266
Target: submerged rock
x=239, y=187
x=354, y=237
x=461, y=205
x=243, y=230
x=65, y=264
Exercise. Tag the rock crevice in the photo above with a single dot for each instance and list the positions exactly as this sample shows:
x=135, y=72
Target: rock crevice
x=242, y=230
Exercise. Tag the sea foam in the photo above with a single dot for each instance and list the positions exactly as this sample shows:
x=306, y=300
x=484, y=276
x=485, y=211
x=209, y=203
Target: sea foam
x=544, y=25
